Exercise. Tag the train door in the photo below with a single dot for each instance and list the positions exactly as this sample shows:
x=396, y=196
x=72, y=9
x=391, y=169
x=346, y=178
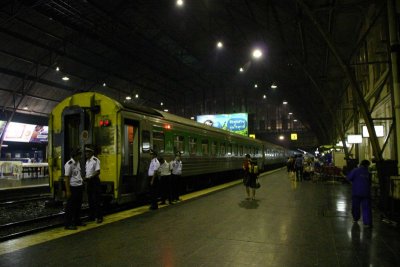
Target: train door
x=130, y=157
x=74, y=121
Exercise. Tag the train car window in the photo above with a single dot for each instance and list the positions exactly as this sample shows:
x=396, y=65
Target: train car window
x=235, y=149
x=145, y=141
x=192, y=145
x=222, y=150
x=213, y=148
x=179, y=144
x=158, y=141
x=241, y=150
x=229, y=149
x=204, y=146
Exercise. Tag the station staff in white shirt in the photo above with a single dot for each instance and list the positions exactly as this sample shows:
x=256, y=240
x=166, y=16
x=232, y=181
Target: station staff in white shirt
x=93, y=185
x=73, y=190
x=154, y=179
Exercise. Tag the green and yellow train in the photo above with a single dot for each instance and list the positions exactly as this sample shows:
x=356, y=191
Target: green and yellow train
x=123, y=135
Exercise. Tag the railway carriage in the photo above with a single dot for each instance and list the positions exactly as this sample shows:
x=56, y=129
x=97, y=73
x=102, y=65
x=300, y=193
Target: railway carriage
x=123, y=135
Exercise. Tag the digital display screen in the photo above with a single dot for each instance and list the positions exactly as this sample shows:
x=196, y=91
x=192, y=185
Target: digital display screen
x=23, y=132
x=236, y=122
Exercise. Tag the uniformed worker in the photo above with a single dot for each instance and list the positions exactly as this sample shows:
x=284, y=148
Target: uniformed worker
x=73, y=190
x=176, y=171
x=154, y=179
x=93, y=186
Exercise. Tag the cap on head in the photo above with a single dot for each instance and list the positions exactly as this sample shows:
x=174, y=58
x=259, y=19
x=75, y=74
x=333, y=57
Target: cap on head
x=87, y=149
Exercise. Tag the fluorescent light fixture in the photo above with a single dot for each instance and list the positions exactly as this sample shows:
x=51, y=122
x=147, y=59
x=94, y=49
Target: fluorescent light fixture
x=104, y=84
x=290, y=113
x=241, y=70
x=179, y=2
x=264, y=96
x=285, y=102
x=65, y=78
x=220, y=45
x=281, y=137
x=166, y=110
x=256, y=85
x=128, y=98
x=354, y=139
x=379, y=130
x=274, y=86
x=137, y=96
x=58, y=69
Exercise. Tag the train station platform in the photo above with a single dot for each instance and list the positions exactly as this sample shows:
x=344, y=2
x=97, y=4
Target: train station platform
x=289, y=224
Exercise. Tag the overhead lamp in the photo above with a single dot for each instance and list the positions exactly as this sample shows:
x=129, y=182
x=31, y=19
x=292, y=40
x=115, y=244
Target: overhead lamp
x=257, y=53
x=128, y=98
x=162, y=104
x=220, y=45
x=104, y=84
x=137, y=96
x=65, y=78
x=274, y=86
x=295, y=120
x=165, y=110
x=192, y=118
x=284, y=102
x=25, y=107
x=281, y=137
x=290, y=113
x=255, y=86
x=179, y=2
x=58, y=69
x=241, y=69
x=264, y=96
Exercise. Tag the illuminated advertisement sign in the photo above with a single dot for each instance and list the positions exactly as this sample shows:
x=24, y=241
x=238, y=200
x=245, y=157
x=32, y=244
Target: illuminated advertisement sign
x=237, y=122
x=22, y=132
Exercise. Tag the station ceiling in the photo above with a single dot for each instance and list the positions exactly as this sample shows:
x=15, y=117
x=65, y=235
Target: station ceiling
x=166, y=53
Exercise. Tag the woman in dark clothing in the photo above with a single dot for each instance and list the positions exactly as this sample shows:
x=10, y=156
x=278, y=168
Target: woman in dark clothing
x=250, y=177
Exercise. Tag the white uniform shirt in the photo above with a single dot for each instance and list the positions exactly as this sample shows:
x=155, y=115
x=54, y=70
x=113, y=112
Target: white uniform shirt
x=154, y=165
x=73, y=170
x=165, y=169
x=176, y=167
x=92, y=165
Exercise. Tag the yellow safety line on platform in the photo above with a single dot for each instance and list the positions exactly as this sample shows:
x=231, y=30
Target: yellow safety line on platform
x=27, y=241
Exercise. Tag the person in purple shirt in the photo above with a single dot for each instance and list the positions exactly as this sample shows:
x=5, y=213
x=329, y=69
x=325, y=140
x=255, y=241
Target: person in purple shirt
x=361, y=193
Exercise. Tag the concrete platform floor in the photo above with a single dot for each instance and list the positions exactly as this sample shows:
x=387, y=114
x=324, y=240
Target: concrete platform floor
x=289, y=224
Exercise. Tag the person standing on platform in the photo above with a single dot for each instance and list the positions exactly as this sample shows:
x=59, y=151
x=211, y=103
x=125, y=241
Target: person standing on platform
x=93, y=185
x=165, y=181
x=361, y=193
x=154, y=180
x=250, y=179
x=73, y=190
x=298, y=165
x=176, y=170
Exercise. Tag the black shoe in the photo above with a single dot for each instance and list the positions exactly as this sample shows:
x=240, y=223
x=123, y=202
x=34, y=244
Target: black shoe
x=70, y=227
x=99, y=220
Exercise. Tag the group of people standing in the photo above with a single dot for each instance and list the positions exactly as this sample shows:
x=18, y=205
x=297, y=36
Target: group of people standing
x=74, y=188
x=164, y=179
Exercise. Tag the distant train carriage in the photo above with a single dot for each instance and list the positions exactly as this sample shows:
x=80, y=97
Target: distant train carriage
x=123, y=135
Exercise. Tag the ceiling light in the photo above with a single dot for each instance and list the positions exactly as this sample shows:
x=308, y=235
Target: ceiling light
x=241, y=69
x=294, y=120
x=285, y=102
x=257, y=53
x=273, y=86
x=104, y=84
x=179, y=2
x=137, y=96
x=165, y=110
x=264, y=96
x=162, y=104
x=255, y=86
x=128, y=98
x=290, y=113
x=58, y=69
x=65, y=78
x=192, y=118
x=281, y=137
x=220, y=45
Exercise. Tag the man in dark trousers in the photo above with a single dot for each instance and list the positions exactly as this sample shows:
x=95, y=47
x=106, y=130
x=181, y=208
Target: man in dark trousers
x=361, y=193
x=93, y=185
x=73, y=191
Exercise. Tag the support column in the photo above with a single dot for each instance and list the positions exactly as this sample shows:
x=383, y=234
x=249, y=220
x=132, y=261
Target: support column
x=394, y=55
